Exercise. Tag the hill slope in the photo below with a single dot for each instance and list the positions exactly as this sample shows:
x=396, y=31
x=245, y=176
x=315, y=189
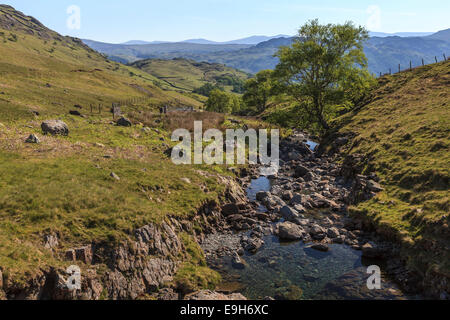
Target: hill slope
x=61, y=194
x=45, y=72
x=403, y=135
x=188, y=75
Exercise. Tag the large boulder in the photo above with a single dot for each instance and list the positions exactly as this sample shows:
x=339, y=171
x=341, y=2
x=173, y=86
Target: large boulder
x=288, y=213
x=55, y=127
x=290, y=231
x=333, y=232
x=317, y=232
x=124, y=122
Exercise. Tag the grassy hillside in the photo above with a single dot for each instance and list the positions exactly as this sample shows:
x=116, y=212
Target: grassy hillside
x=45, y=72
x=404, y=135
x=63, y=185
x=188, y=75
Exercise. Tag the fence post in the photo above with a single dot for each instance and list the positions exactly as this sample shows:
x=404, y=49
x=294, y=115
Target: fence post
x=399, y=68
x=423, y=62
x=435, y=58
x=445, y=58
x=410, y=65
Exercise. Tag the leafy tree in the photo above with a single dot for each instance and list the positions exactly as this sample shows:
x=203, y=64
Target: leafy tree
x=219, y=101
x=325, y=69
x=258, y=90
x=223, y=102
x=206, y=89
x=236, y=103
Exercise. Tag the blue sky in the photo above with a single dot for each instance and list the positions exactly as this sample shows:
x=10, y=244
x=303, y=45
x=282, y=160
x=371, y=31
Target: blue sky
x=221, y=20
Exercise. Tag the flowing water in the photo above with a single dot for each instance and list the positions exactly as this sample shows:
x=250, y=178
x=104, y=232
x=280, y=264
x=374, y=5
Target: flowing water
x=294, y=270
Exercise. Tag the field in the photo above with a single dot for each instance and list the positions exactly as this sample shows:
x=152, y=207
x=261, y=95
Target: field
x=187, y=75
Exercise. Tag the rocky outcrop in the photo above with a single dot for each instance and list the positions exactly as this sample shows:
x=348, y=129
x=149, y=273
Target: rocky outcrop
x=134, y=268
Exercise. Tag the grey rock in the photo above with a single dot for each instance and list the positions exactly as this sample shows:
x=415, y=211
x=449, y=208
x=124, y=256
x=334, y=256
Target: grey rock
x=320, y=247
x=186, y=180
x=290, y=231
x=84, y=254
x=262, y=195
x=287, y=195
x=124, y=122
x=237, y=262
x=288, y=213
x=75, y=113
x=55, y=127
x=300, y=208
x=32, y=138
x=50, y=241
x=114, y=176
x=333, y=233
x=374, y=186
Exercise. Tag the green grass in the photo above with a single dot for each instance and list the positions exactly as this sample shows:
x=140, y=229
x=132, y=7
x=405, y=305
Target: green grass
x=187, y=75
x=404, y=132
x=63, y=184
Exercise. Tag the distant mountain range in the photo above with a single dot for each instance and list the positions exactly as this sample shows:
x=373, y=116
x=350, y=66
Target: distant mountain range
x=384, y=52
x=253, y=40
x=400, y=34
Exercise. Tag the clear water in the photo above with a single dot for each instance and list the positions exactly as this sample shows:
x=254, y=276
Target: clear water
x=282, y=269
x=313, y=145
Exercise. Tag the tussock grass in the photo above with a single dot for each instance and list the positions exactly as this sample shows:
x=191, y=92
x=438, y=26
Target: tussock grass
x=405, y=133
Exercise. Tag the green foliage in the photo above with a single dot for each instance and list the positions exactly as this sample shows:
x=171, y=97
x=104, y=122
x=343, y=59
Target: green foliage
x=191, y=76
x=258, y=90
x=231, y=80
x=223, y=102
x=206, y=89
x=325, y=69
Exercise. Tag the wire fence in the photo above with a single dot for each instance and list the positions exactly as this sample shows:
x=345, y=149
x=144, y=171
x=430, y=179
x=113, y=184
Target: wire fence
x=411, y=66
x=119, y=108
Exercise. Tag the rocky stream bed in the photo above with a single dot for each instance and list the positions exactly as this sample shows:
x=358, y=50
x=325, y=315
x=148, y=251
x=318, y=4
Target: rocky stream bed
x=293, y=238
